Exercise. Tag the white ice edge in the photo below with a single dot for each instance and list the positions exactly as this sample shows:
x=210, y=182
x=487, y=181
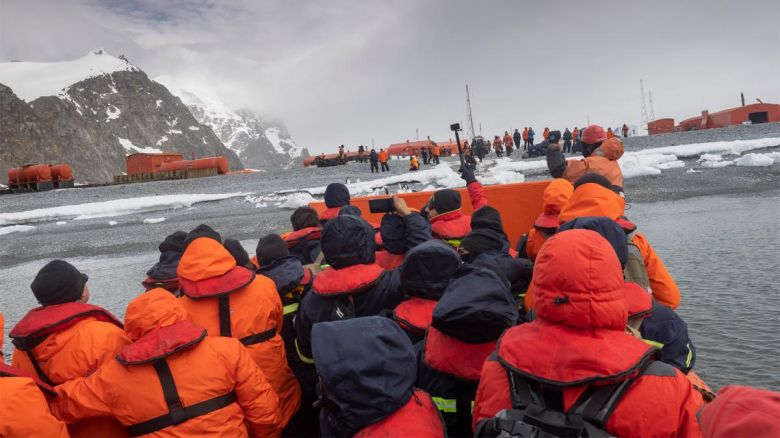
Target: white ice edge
x=15, y=229
x=113, y=208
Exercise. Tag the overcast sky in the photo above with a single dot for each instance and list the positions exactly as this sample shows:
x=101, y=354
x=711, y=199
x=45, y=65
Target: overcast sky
x=348, y=71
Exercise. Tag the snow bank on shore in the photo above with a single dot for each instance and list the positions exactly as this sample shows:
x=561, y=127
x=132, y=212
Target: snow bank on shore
x=115, y=207
x=15, y=229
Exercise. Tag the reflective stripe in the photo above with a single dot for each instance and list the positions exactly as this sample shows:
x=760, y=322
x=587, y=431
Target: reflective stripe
x=453, y=242
x=655, y=344
x=290, y=308
x=301, y=356
x=445, y=404
x=688, y=358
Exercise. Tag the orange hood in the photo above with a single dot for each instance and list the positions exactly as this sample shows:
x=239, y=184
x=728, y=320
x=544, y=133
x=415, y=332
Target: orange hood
x=611, y=149
x=593, y=200
x=556, y=196
x=207, y=269
x=152, y=310
x=205, y=258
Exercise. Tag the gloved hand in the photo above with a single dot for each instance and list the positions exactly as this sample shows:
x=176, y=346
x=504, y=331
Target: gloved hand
x=467, y=173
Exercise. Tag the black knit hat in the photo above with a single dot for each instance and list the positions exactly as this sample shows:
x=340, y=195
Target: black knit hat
x=336, y=195
x=202, y=230
x=445, y=200
x=554, y=137
x=174, y=242
x=488, y=218
x=58, y=282
x=393, y=232
x=270, y=248
x=482, y=240
x=237, y=250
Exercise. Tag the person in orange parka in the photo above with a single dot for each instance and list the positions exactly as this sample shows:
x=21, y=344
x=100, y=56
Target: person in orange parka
x=174, y=380
x=24, y=410
x=232, y=301
x=741, y=411
x=600, y=155
x=578, y=344
x=67, y=338
x=594, y=197
x=554, y=198
x=546, y=133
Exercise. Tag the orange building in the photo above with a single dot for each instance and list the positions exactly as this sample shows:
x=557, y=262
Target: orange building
x=755, y=113
x=660, y=126
x=149, y=163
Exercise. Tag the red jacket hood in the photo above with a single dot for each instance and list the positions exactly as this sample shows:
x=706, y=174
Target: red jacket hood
x=206, y=269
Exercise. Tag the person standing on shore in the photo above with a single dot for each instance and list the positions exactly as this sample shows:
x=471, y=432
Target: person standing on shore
x=373, y=158
x=383, y=157
x=531, y=135
x=508, y=143
x=424, y=155
x=567, y=141
x=517, y=138
x=625, y=130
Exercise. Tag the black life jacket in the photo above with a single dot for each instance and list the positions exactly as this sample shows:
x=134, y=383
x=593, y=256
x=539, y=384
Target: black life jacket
x=538, y=410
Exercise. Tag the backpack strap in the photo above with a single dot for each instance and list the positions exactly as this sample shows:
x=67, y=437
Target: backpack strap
x=177, y=414
x=38, y=369
x=224, y=316
x=464, y=395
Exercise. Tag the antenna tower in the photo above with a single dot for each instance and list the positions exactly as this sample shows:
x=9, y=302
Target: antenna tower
x=652, y=110
x=644, y=106
x=468, y=109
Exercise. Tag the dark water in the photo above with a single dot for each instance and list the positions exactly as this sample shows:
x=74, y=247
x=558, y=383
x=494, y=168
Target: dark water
x=723, y=253
x=716, y=230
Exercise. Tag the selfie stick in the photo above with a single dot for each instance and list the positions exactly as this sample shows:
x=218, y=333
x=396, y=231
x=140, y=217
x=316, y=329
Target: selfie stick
x=456, y=127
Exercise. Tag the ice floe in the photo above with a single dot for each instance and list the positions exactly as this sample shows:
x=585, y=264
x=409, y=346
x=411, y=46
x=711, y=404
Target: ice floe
x=116, y=207
x=15, y=229
x=154, y=220
x=751, y=160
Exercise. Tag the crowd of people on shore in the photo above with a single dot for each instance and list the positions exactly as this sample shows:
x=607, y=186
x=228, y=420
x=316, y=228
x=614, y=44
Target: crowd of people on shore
x=428, y=324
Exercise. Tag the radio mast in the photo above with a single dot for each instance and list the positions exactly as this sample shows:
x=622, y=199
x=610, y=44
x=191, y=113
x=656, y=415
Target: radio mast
x=645, y=118
x=468, y=109
x=652, y=109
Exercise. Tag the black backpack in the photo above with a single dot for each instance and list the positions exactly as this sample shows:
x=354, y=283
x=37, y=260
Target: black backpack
x=537, y=410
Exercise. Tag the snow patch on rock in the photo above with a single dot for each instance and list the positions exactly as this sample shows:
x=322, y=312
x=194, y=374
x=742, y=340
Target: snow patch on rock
x=132, y=149
x=15, y=229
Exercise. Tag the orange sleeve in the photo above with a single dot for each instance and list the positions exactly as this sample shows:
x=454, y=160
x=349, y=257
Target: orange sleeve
x=84, y=397
x=492, y=393
x=255, y=396
x=24, y=412
x=575, y=169
x=477, y=195
x=665, y=289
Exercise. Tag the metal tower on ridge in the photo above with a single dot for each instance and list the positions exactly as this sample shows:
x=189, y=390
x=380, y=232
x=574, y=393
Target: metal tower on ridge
x=652, y=109
x=644, y=106
x=468, y=108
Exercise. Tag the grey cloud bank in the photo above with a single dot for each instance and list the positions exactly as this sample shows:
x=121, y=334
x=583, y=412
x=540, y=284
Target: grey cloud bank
x=349, y=72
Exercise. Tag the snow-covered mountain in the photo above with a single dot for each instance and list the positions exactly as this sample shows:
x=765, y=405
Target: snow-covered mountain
x=90, y=113
x=260, y=143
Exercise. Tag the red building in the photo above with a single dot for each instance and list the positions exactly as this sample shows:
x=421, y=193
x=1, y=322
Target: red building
x=753, y=113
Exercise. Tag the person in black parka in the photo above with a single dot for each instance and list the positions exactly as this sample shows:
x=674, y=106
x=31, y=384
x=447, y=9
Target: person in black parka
x=474, y=310
x=367, y=371
x=425, y=274
x=163, y=273
x=352, y=285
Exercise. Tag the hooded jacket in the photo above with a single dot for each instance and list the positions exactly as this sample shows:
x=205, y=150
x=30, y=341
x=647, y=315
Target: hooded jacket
x=292, y=282
x=400, y=234
x=452, y=226
x=425, y=274
x=232, y=301
x=352, y=286
x=25, y=411
x=603, y=161
x=578, y=341
x=742, y=411
x=172, y=353
x=592, y=199
x=163, y=273
x=555, y=197
x=336, y=196
x=375, y=388
x=467, y=321
x=304, y=244
x=68, y=341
